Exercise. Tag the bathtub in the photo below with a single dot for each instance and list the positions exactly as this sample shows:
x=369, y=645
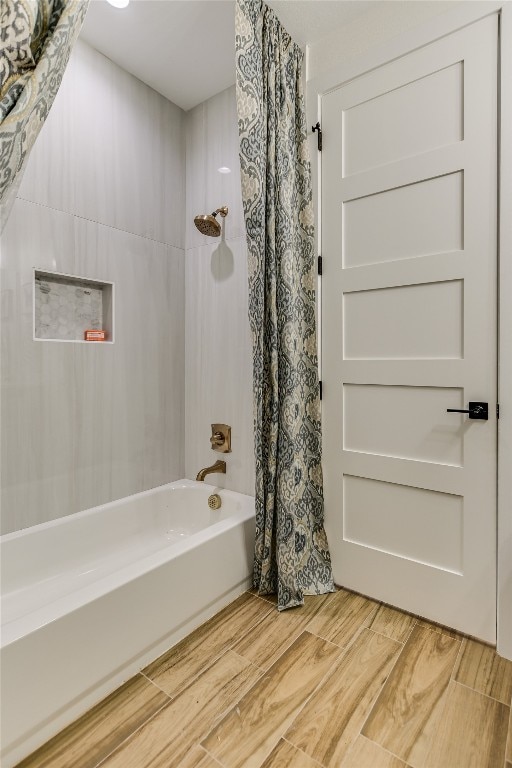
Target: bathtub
x=88, y=600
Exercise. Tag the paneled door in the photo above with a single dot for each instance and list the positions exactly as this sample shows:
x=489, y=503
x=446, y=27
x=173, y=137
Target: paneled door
x=409, y=177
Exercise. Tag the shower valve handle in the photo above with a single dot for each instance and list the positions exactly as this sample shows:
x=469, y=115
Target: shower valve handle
x=217, y=438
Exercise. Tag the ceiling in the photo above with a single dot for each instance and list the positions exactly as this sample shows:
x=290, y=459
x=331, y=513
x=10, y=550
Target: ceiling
x=185, y=49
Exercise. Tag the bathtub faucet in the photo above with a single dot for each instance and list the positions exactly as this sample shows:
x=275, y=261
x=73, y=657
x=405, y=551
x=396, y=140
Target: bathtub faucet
x=219, y=466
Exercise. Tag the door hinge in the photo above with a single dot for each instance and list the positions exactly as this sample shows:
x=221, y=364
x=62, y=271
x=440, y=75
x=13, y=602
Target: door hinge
x=319, y=137
x=498, y=411
x=320, y=388
x=320, y=265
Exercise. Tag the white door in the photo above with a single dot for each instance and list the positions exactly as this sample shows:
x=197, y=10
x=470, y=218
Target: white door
x=409, y=330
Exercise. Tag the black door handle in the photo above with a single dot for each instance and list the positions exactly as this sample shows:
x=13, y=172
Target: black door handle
x=475, y=411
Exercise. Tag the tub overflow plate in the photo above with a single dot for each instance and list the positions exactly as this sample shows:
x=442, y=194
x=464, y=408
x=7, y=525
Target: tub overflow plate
x=214, y=501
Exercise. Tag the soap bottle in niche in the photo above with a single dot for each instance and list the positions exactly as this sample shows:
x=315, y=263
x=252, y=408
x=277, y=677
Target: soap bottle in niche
x=95, y=335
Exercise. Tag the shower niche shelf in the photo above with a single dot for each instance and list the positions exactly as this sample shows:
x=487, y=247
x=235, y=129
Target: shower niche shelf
x=65, y=306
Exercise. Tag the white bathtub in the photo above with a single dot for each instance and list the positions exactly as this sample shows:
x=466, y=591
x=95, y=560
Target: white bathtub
x=90, y=599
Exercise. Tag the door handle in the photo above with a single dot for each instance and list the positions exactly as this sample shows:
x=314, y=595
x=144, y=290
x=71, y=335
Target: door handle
x=475, y=411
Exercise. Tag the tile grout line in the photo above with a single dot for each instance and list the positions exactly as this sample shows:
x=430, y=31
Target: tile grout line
x=169, y=696
x=261, y=597
x=141, y=725
x=377, y=696
x=456, y=665
x=244, y=634
x=204, y=669
x=218, y=720
x=285, y=648
x=443, y=698
x=371, y=616
x=212, y=757
x=487, y=695
x=265, y=672
x=351, y=747
x=102, y=224
x=291, y=642
x=173, y=699
x=435, y=627
x=353, y=639
x=384, y=749
x=403, y=643
x=302, y=752
x=381, y=690
x=480, y=693
x=210, y=661
x=329, y=672
x=412, y=630
x=342, y=656
x=209, y=245
x=192, y=678
x=243, y=658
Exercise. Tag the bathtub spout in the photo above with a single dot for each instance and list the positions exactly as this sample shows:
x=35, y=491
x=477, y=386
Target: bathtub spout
x=219, y=466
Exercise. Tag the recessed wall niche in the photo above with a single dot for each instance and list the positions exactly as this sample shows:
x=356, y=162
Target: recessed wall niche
x=66, y=306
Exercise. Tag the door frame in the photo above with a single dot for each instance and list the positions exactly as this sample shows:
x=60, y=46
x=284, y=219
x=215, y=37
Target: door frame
x=428, y=32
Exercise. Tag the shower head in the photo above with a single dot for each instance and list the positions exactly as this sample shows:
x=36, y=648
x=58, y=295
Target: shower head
x=207, y=224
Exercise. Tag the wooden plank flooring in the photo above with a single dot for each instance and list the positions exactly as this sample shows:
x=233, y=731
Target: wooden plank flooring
x=325, y=730
x=173, y=671
x=480, y=668
x=342, y=682
x=405, y=715
x=251, y=730
x=168, y=736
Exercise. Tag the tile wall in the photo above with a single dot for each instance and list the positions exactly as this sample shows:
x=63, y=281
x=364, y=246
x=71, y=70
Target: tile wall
x=102, y=198
x=218, y=361
x=112, y=151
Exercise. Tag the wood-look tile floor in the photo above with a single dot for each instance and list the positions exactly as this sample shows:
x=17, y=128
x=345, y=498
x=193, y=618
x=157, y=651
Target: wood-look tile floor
x=342, y=682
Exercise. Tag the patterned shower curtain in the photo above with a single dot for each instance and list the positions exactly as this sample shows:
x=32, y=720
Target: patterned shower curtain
x=291, y=553
x=36, y=38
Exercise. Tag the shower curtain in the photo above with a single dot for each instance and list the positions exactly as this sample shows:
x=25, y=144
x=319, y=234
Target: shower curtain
x=36, y=39
x=291, y=552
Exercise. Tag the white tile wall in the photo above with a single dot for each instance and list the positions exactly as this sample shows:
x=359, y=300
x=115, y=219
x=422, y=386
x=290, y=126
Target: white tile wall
x=218, y=372
x=112, y=150
x=102, y=197
x=38, y=400
x=212, y=143
x=141, y=381
x=218, y=359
